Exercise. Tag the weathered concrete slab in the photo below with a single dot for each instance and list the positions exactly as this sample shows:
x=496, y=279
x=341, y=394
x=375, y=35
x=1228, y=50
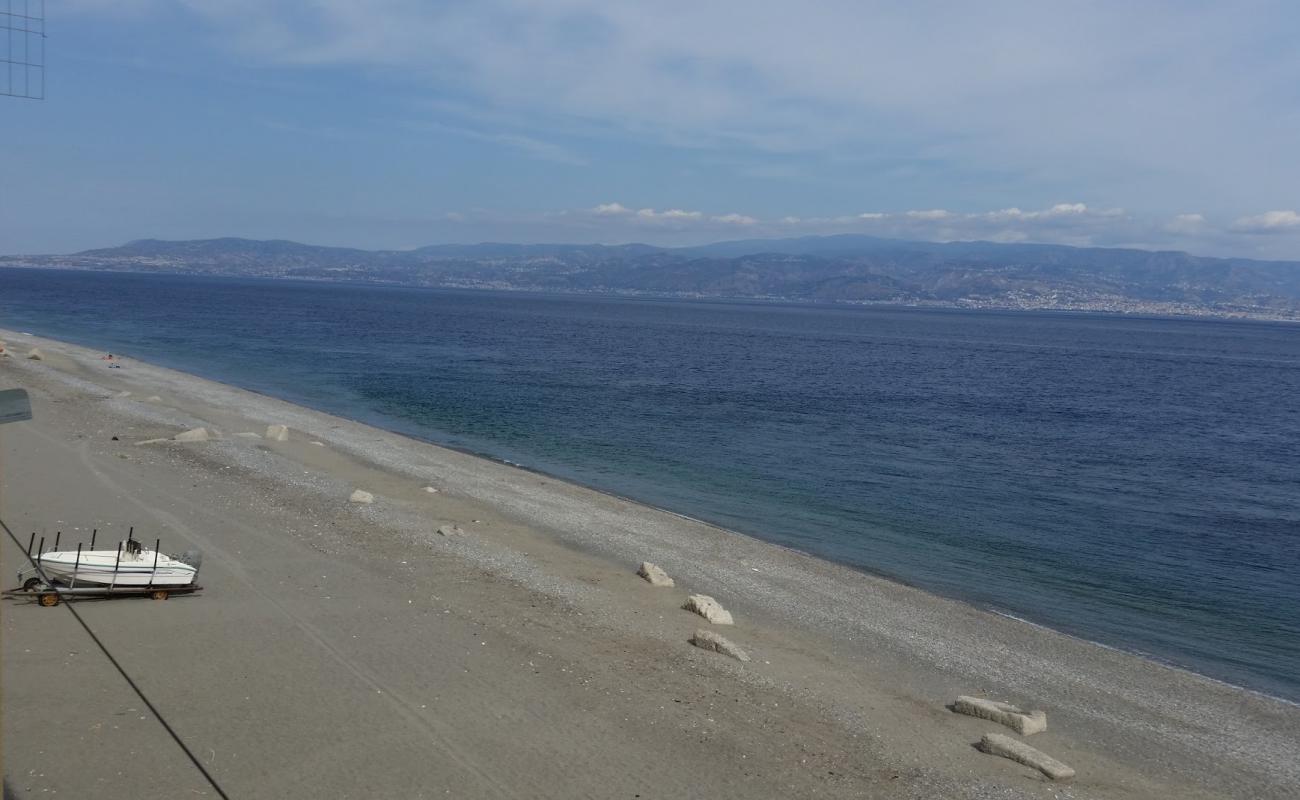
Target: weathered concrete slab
x=655, y=575
x=195, y=435
x=362, y=496
x=1022, y=722
x=708, y=640
x=708, y=608
x=998, y=744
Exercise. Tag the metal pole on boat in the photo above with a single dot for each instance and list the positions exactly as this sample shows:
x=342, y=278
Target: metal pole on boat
x=154, y=573
x=76, y=565
x=40, y=551
x=93, y=534
x=31, y=542
x=58, y=535
x=116, y=561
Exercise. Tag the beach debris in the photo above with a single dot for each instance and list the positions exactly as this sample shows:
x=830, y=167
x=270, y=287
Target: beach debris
x=708, y=608
x=430, y=490
x=319, y=444
x=998, y=744
x=1023, y=723
x=153, y=398
x=152, y=441
x=655, y=575
x=708, y=640
x=249, y=435
x=451, y=530
x=123, y=394
x=116, y=439
x=362, y=496
x=277, y=433
x=36, y=355
x=195, y=435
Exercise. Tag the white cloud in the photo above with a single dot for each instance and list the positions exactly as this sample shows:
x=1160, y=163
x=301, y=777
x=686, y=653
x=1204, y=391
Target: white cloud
x=736, y=219
x=935, y=213
x=1066, y=223
x=1269, y=222
x=669, y=214
x=1186, y=224
x=1058, y=210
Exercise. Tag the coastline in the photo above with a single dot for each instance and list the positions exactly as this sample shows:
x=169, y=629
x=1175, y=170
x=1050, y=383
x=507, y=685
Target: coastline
x=853, y=655
x=1167, y=311
x=481, y=449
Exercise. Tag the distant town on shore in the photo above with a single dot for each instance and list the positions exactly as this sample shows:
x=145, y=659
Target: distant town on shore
x=832, y=269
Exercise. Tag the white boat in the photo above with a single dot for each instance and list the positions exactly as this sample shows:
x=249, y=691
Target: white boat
x=133, y=564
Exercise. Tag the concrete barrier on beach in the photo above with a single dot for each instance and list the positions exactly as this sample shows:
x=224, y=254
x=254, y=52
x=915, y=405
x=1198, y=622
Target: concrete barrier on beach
x=1023, y=723
x=195, y=435
x=708, y=608
x=708, y=640
x=998, y=744
x=655, y=575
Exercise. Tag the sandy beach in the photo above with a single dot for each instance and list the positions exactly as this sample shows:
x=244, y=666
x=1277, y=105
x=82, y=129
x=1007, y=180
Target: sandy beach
x=344, y=649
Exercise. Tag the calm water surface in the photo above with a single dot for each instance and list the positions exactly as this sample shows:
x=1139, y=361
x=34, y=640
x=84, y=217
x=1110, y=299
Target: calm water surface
x=1132, y=481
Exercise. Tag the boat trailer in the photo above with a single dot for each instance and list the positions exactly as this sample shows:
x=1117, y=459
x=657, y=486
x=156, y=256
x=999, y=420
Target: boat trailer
x=49, y=592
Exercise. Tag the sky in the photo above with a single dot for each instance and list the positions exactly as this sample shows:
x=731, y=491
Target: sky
x=401, y=123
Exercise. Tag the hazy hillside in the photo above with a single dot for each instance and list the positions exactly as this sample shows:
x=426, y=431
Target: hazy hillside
x=827, y=268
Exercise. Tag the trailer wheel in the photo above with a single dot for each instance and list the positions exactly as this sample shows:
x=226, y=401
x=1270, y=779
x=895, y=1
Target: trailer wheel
x=31, y=583
x=49, y=599
x=159, y=594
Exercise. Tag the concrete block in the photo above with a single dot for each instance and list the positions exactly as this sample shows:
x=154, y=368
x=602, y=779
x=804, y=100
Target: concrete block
x=998, y=744
x=655, y=575
x=1023, y=723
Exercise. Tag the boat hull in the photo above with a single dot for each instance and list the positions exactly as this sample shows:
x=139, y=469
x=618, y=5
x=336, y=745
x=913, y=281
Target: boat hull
x=103, y=568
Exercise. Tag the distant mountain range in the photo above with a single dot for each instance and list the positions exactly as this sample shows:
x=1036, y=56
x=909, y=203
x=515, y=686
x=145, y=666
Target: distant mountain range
x=841, y=269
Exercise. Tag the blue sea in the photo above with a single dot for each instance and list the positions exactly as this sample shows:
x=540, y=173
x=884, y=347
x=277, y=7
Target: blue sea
x=1133, y=481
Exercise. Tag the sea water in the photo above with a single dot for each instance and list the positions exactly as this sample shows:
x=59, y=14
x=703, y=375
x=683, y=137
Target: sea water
x=1134, y=481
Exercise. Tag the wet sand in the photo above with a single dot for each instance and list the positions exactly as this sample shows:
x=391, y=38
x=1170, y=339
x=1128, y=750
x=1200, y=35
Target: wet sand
x=349, y=650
